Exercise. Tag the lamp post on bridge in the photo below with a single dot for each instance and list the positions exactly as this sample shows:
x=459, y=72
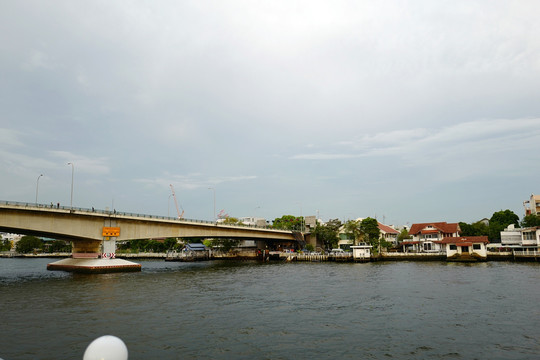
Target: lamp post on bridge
x=214, y=190
x=72, y=172
x=37, y=185
x=169, y=206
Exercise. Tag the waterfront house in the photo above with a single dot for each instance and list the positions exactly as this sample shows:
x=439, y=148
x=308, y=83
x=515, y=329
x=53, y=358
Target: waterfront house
x=388, y=233
x=465, y=248
x=523, y=241
x=426, y=237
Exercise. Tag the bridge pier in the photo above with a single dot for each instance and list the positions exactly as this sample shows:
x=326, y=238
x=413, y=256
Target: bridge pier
x=87, y=257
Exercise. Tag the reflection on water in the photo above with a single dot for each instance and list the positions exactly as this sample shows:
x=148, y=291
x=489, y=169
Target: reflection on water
x=222, y=310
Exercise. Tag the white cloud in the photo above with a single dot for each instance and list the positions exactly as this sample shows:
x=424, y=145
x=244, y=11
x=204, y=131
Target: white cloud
x=465, y=149
x=10, y=138
x=94, y=166
x=37, y=60
x=192, y=181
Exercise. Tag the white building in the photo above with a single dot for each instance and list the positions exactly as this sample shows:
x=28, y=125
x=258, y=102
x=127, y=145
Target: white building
x=361, y=252
x=466, y=248
x=511, y=236
x=427, y=237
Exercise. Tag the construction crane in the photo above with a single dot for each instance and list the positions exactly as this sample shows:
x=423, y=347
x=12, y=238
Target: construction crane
x=176, y=203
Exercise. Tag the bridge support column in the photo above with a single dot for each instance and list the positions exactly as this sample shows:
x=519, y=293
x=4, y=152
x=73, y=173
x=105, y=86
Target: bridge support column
x=85, y=258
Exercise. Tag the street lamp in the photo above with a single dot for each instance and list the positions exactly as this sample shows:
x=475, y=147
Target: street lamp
x=214, y=190
x=37, y=184
x=169, y=206
x=72, y=172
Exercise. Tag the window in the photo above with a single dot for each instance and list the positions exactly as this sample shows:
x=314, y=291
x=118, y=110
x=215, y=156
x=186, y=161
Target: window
x=529, y=235
x=476, y=246
x=453, y=247
x=427, y=246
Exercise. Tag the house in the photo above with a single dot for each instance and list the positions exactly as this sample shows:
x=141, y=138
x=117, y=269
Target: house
x=511, y=236
x=426, y=237
x=388, y=233
x=522, y=241
x=466, y=248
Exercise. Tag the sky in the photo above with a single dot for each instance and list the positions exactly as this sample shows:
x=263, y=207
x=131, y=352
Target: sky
x=407, y=111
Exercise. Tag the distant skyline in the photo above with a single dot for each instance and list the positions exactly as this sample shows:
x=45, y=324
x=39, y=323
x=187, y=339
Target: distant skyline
x=408, y=111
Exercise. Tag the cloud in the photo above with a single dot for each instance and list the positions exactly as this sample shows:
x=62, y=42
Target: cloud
x=10, y=138
x=94, y=166
x=464, y=148
x=37, y=60
x=192, y=181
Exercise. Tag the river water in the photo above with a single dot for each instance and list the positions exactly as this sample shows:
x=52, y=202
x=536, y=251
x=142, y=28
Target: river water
x=250, y=310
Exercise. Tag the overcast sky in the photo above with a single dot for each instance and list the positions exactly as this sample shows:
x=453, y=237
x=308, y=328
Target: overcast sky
x=410, y=111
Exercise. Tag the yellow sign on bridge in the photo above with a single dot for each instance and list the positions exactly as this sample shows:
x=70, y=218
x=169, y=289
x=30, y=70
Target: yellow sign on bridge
x=111, y=231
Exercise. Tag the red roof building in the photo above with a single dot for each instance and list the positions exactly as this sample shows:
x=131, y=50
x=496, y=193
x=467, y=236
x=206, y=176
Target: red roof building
x=426, y=237
x=465, y=248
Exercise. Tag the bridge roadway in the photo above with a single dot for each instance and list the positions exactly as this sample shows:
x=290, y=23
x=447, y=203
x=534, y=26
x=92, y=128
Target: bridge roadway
x=76, y=224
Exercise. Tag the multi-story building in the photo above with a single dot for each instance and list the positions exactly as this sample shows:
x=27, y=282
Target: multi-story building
x=388, y=233
x=521, y=237
x=427, y=237
x=532, y=206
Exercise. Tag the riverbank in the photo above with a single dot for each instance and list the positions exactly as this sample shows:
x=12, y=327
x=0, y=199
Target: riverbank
x=287, y=256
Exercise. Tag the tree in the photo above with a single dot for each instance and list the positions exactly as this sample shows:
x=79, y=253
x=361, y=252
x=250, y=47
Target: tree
x=28, y=244
x=60, y=246
x=500, y=220
x=530, y=220
x=288, y=222
x=309, y=247
x=353, y=231
x=403, y=235
x=505, y=217
x=170, y=243
x=478, y=228
x=225, y=245
x=328, y=233
x=370, y=228
x=230, y=221
x=5, y=245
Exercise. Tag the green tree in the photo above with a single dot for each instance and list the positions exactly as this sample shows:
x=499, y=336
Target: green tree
x=328, y=233
x=478, y=228
x=28, y=244
x=403, y=235
x=225, y=245
x=60, y=246
x=353, y=231
x=530, y=220
x=171, y=243
x=288, y=222
x=5, y=245
x=230, y=221
x=370, y=228
x=500, y=220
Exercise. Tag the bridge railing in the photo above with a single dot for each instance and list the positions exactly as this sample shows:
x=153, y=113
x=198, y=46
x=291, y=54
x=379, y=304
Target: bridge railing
x=113, y=212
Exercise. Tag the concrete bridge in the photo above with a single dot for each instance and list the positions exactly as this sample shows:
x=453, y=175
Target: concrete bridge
x=94, y=233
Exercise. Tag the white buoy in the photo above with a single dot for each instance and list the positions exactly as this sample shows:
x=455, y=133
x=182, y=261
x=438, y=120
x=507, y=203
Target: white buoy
x=106, y=347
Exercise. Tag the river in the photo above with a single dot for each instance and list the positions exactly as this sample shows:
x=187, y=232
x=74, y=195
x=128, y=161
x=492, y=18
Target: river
x=250, y=310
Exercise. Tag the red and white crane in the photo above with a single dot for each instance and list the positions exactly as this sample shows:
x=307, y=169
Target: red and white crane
x=176, y=203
